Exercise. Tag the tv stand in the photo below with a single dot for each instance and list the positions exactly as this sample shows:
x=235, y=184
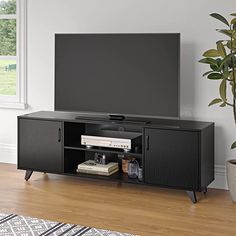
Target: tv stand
x=177, y=154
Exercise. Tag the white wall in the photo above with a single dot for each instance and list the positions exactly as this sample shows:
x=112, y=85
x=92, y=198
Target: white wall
x=189, y=17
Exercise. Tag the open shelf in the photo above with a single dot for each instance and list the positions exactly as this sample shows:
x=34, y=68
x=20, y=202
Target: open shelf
x=73, y=132
x=118, y=176
x=75, y=156
x=75, y=153
x=105, y=150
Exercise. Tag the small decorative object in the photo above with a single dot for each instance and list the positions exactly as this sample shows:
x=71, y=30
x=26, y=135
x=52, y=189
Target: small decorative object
x=100, y=158
x=231, y=178
x=125, y=161
x=140, y=174
x=222, y=62
x=133, y=167
x=97, y=158
x=103, y=159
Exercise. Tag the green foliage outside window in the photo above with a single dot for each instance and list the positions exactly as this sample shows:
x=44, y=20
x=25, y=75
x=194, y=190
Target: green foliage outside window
x=7, y=48
x=8, y=29
x=8, y=37
x=8, y=7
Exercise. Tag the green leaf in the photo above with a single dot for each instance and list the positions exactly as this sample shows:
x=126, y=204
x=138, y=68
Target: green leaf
x=215, y=76
x=215, y=101
x=225, y=72
x=231, y=74
x=221, y=49
x=233, y=21
x=233, y=145
x=226, y=32
x=207, y=73
x=233, y=14
x=226, y=59
x=220, y=18
x=229, y=44
x=211, y=53
x=221, y=41
x=223, y=104
x=214, y=67
x=234, y=35
x=222, y=90
x=219, y=61
x=232, y=62
x=233, y=44
x=208, y=61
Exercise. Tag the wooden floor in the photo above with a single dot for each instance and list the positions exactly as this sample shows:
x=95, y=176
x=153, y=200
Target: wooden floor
x=127, y=208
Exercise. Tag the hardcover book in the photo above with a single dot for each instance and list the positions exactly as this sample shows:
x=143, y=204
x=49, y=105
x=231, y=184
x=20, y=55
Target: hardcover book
x=95, y=172
x=92, y=167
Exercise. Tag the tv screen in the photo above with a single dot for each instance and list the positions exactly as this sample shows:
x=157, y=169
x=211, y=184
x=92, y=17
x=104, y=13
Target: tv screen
x=124, y=74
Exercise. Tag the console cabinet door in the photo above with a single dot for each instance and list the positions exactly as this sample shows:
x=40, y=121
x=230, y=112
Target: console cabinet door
x=172, y=158
x=40, y=145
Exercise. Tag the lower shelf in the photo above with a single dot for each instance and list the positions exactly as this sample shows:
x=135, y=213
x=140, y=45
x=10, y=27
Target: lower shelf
x=118, y=176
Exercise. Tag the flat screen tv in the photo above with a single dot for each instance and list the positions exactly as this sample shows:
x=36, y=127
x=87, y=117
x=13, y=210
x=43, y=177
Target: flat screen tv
x=121, y=74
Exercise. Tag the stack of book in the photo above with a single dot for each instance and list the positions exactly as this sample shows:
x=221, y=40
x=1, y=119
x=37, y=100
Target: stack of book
x=91, y=167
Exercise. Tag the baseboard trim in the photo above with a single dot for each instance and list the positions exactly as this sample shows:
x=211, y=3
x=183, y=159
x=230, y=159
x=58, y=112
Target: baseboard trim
x=8, y=154
x=220, y=181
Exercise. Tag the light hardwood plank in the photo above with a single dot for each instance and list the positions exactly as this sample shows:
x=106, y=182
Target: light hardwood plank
x=129, y=208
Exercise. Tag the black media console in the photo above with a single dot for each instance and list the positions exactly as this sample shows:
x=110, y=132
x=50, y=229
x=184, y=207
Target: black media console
x=174, y=153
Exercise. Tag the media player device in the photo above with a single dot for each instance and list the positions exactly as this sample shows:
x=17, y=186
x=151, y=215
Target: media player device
x=113, y=139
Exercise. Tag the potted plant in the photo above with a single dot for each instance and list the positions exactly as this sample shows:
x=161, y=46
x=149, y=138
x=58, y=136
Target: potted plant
x=222, y=63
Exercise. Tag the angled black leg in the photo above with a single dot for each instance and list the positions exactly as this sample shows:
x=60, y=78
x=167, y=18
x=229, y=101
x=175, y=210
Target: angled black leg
x=205, y=190
x=28, y=174
x=192, y=196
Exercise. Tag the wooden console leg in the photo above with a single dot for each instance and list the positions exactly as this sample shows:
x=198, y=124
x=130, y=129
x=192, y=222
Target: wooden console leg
x=192, y=196
x=28, y=174
x=205, y=190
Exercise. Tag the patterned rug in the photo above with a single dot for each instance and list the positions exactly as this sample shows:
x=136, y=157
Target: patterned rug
x=15, y=225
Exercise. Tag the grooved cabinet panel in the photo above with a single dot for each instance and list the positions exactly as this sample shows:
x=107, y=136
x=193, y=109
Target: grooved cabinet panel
x=40, y=145
x=172, y=158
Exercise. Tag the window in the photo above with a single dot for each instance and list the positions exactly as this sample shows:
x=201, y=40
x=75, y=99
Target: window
x=12, y=53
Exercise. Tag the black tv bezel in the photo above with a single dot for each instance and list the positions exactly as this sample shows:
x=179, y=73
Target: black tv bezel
x=107, y=115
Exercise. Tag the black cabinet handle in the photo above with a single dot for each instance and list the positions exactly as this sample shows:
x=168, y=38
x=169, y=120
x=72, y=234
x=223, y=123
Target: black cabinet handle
x=147, y=142
x=59, y=135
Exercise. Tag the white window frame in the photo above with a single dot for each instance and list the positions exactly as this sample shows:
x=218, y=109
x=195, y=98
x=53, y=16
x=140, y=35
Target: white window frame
x=18, y=101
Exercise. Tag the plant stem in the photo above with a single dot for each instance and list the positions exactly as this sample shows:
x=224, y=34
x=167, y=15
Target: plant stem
x=229, y=104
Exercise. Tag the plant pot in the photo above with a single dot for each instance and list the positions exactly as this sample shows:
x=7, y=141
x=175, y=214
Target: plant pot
x=231, y=178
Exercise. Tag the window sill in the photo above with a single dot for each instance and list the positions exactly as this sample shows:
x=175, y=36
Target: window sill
x=13, y=105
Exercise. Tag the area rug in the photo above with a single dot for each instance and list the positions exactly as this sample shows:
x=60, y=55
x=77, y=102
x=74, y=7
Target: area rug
x=16, y=225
